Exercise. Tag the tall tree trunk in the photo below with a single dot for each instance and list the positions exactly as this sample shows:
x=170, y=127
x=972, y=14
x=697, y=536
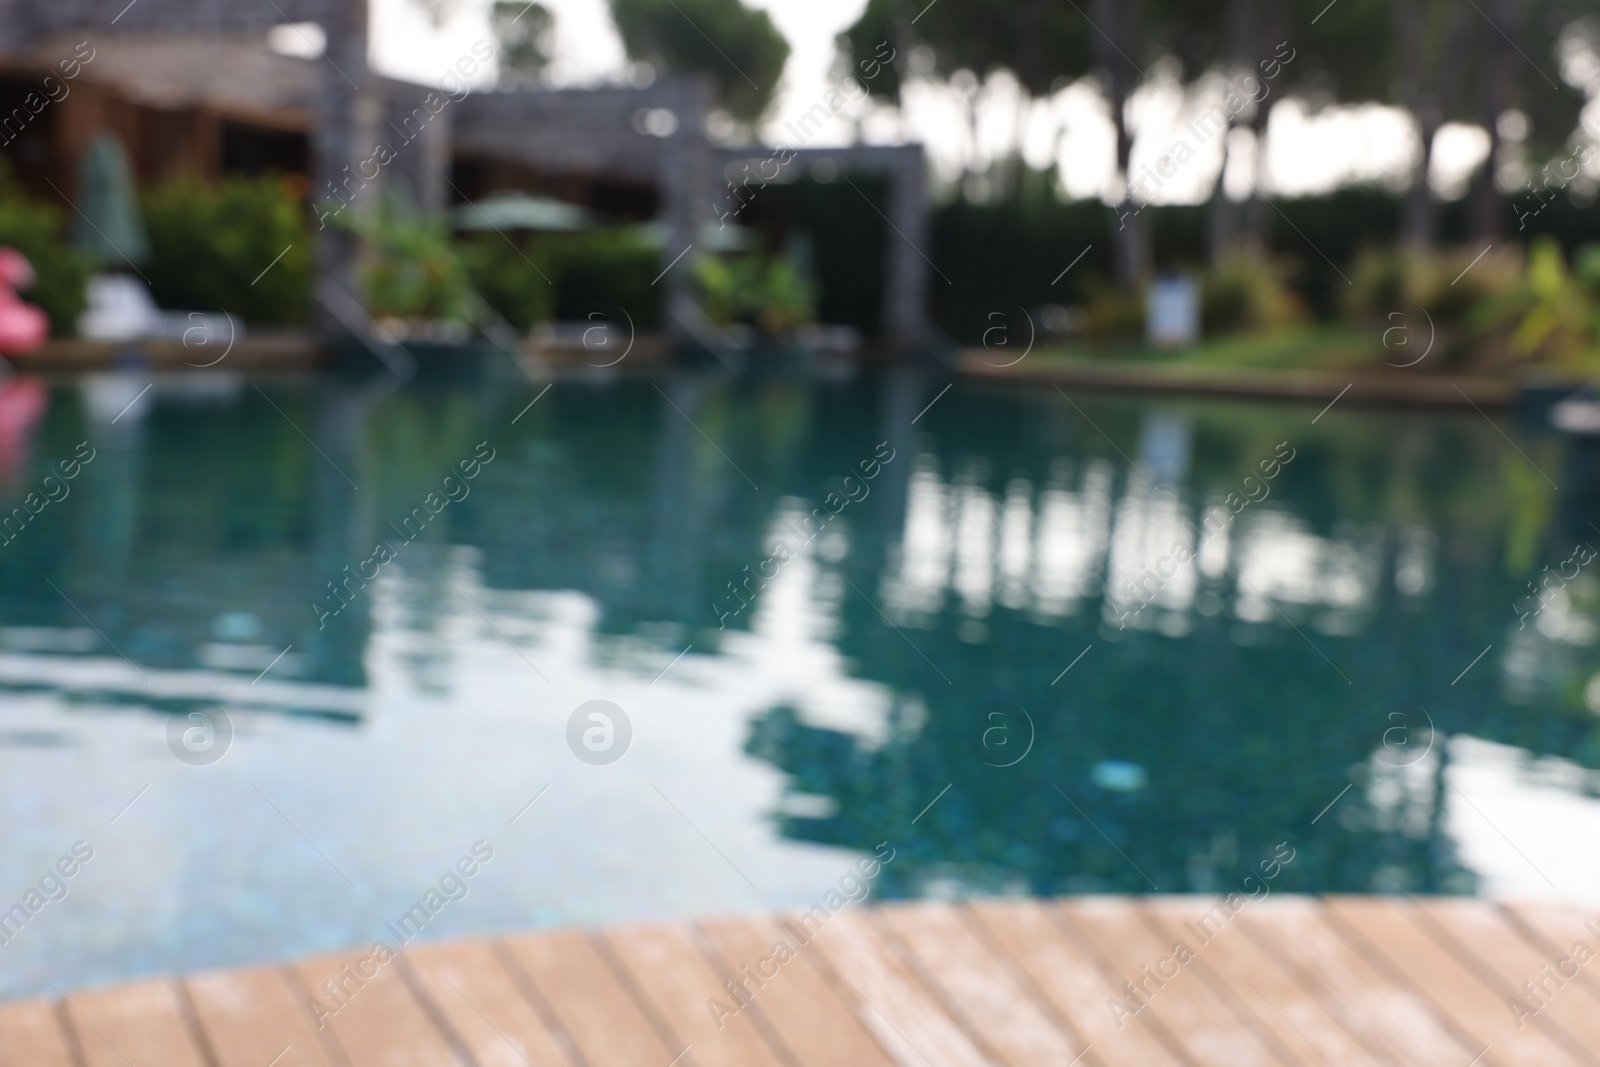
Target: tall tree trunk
x=1221, y=220
x=1034, y=77
x=1014, y=166
x=1268, y=20
x=1117, y=47
x=1132, y=239
x=1419, y=215
x=1416, y=224
x=1486, y=207
x=972, y=128
x=1428, y=89
x=1221, y=217
x=1255, y=209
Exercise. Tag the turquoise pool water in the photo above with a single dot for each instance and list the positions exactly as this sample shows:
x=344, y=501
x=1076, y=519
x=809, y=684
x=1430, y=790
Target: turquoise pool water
x=280, y=655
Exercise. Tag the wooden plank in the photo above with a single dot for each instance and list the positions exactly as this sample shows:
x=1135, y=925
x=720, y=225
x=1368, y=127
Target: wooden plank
x=1358, y=981
x=1072, y=981
x=376, y=1019
x=811, y=1017
x=1476, y=931
x=1207, y=1028
x=594, y=1009
x=892, y=1002
x=31, y=1035
x=1559, y=929
x=138, y=1023
x=485, y=1006
x=1295, y=1015
x=681, y=985
x=1388, y=1016
x=1387, y=929
x=253, y=1018
x=977, y=987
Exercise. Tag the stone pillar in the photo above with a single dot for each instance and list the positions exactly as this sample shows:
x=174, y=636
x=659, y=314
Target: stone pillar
x=421, y=140
x=347, y=113
x=17, y=30
x=905, y=281
x=431, y=173
x=685, y=181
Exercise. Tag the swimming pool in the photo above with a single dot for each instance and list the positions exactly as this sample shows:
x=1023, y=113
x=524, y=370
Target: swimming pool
x=284, y=656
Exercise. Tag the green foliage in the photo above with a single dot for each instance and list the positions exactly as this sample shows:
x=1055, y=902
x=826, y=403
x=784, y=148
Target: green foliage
x=768, y=292
x=1447, y=283
x=1461, y=299
x=562, y=275
x=1042, y=44
x=411, y=270
x=616, y=266
x=37, y=230
x=1540, y=89
x=523, y=32
x=438, y=11
x=1113, y=315
x=1013, y=252
x=1360, y=53
x=1247, y=291
x=1559, y=310
x=515, y=280
x=740, y=50
x=1348, y=54
x=881, y=71
x=1501, y=311
x=211, y=243
x=847, y=239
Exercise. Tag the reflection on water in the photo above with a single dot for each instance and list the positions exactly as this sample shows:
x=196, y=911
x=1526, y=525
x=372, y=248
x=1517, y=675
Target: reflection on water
x=1057, y=646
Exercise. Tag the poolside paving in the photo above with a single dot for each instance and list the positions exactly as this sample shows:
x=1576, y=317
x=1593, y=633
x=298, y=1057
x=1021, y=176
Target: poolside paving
x=1107, y=981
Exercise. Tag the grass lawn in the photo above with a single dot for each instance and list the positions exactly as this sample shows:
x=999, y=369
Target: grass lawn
x=1319, y=347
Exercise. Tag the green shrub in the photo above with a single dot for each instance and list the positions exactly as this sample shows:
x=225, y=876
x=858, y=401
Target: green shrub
x=1471, y=299
x=1377, y=285
x=1555, y=312
x=211, y=243
x=1112, y=316
x=1441, y=283
x=535, y=278
x=516, y=280
x=617, y=266
x=411, y=269
x=37, y=229
x=1247, y=291
x=769, y=292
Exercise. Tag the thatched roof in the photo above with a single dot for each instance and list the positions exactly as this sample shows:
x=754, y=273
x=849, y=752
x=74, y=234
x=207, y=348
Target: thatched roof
x=226, y=73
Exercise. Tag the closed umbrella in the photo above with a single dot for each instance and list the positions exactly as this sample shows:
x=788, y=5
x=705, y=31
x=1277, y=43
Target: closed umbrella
x=108, y=225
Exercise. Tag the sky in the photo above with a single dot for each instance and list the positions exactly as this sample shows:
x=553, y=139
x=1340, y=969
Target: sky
x=1305, y=153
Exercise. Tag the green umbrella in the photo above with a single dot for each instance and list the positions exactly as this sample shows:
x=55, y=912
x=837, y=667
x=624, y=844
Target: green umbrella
x=516, y=211
x=108, y=225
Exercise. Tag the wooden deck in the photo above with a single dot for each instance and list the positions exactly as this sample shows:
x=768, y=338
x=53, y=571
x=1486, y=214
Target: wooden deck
x=1287, y=980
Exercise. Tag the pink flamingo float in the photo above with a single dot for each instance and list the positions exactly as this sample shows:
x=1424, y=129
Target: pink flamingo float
x=23, y=327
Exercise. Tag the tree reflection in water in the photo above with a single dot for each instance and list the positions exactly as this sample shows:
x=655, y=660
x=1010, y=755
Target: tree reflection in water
x=1269, y=672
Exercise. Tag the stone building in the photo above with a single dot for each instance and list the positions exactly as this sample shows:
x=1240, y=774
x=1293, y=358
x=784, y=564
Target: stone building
x=193, y=85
